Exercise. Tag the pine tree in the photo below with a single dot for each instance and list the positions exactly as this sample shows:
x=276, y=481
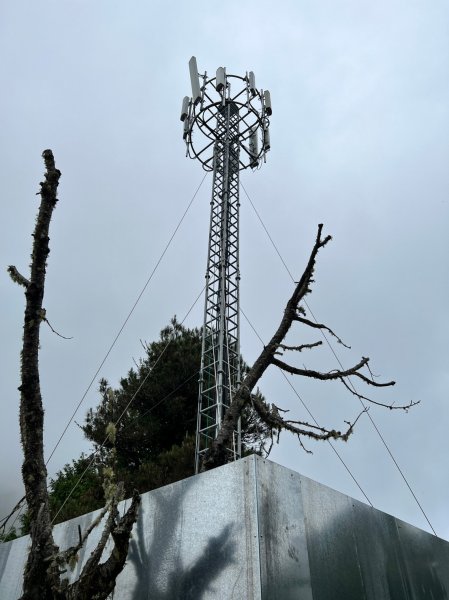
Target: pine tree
x=156, y=405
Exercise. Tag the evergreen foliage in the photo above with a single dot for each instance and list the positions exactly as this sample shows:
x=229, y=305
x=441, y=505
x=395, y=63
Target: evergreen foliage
x=88, y=495
x=155, y=437
x=158, y=400
x=10, y=535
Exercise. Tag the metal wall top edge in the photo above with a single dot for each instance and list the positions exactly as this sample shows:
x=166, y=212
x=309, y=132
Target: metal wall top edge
x=326, y=487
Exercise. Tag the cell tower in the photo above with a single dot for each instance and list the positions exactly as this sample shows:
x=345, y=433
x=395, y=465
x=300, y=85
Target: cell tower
x=226, y=128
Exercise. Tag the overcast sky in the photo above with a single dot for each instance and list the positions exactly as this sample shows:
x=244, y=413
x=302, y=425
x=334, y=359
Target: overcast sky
x=360, y=142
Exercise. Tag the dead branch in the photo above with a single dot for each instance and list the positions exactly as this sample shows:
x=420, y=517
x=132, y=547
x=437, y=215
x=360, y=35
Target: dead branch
x=67, y=555
x=17, y=277
x=301, y=443
x=23, y=281
x=274, y=420
x=319, y=326
x=301, y=347
x=44, y=318
x=335, y=374
x=217, y=454
x=384, y=405
x=98, y=579
x=5, y=520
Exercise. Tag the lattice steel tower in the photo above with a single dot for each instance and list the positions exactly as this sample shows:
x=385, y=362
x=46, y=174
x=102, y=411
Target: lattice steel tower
x=226, y=128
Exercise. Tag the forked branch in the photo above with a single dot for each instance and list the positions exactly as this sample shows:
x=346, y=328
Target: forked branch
x=391, y=406
x=294, y=312
x=271, y=417
x=98, y=580
x=319, y=326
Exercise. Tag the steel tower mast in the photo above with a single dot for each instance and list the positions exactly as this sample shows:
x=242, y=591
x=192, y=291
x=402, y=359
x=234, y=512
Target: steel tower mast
x=226, y=128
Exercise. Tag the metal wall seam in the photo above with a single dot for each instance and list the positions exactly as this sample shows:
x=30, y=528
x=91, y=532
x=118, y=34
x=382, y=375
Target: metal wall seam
x=256, y=505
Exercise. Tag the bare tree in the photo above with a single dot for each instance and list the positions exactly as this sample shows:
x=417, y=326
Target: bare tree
x=294, y=312
x=46, y=564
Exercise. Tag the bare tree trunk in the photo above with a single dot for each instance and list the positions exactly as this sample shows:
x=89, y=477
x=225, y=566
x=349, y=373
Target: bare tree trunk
x=44, y=566
x=34, y=472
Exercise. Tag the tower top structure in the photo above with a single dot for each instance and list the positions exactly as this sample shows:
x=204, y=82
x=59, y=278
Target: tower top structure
x=209, y=96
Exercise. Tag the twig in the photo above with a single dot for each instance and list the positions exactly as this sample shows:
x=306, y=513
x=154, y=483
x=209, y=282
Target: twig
x=54, y=331
x=14, y=510
x=17, y=277
x=301, y=347
x=320, y=326
x=384, y=405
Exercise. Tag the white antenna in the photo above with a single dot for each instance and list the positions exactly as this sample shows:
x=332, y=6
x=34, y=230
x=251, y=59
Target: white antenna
x=267, y=98
x=266, y=139
x=185, y=108
x=220, y=80
x=252, y=83
x=195, y=81
x=254, y=147
x=185, y=134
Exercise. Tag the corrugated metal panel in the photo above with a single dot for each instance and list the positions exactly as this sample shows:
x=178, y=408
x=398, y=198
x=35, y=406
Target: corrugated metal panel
x=11, y=574
x=194, y=539
x=253, y=530
x=357, y=552
x=334, y=566
x=379, y=553
x=284, y=561
x=426, y=562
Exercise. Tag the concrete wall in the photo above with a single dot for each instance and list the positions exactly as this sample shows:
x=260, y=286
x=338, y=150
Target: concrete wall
x=253, y=530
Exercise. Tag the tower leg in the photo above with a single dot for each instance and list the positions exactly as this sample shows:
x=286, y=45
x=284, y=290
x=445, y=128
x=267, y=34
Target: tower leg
x=220, y=356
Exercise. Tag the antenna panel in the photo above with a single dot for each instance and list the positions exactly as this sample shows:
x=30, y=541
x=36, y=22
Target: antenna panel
x=267, y=98
x=266, y=139
x=186, y=129
x=253, y=147
x=185, y=108
x=252, y=83
x=194, y=80
x=220, y=81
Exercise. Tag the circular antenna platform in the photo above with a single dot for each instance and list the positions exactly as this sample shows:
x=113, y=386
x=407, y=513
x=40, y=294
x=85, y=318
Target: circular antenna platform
x=236, y=101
